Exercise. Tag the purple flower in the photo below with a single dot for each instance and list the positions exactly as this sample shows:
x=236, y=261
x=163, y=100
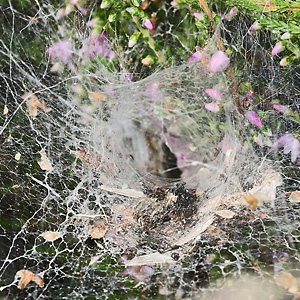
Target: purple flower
x=215, y=94
x=139, y=273
x=290, y=144
x=213, y=106
x=233, y=12
x=174, y=3
x=147, y=23
x=198, y=16
x=98, y=45
x=195, y=57
x=60, y=13
x=83, y=10
x=253, y=118
x=278, y=48
x=127, y=77
x=254, y=27
x=62, y=50
x=218, y=62
x=281, y=108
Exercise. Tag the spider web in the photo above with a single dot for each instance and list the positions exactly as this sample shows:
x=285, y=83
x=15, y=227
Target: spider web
x=120, y=189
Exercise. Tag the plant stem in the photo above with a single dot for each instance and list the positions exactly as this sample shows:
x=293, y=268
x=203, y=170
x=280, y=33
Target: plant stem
x=222, y=48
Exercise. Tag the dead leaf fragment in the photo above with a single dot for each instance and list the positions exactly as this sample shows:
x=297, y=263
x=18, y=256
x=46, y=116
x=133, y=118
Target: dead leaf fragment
x=15, y=186
x=225, y=213
x=288, y=281
x=5, y=110
x=33, y=103
x=149, y=259
x=295, y=196
x=51, y=235
x=98, y=230
x=28, y=276
x=124, y=192
x=45, y=163
x=252, y=202
x=97, y=98
x=18, y=156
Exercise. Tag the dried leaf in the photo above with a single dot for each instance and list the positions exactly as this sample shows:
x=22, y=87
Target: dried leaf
x=45, y=163
x=266, y=190
x=124, y=192
x=195, y=231
x=288, y=281
x=144, y=4
x=15, y=186
x=97, y=98
x=18, y=156
x=295, y=196
x=252, y=202
x=33, y=103
x=98, y=230
x=5, y=110
x=224, y=213
x=28, y=276
x=150, y=259
x=51, y=235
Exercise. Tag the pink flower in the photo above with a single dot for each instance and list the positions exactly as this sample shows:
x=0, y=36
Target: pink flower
x=284, y=62
x=127, y=77
x=174, y=3
x=254, y=27
x=215, y=94
x=281, y=108
x=253, y=118
x=147, y=23
x=213, y=106
x=90, y=23
x=99, y=45
x=198, y=16
x=60, y=13
x=278, y=48
x=218, y=62
x=290, y=144
x=139, y=273
x=195, y=57
x=62, y=50
x=233, y=12
x=83, y=10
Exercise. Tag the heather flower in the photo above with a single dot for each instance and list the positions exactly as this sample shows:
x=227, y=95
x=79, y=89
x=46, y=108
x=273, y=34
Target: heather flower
x=233, y=12
x=83, y=10
x=174, y=3
x=279, y=47
x=139, y=273
x=218, y=62
x=253, y=118
x=255, y=27
x=198, y=16
x=127, y=77
x=215, y=94
x=290, y=144
x=147, y=24
x=213, y=106
x=195, y=57
x=98, y=45
x=60, y=13
x=62, y=50
x=286, y=36
x=281, y=108
x=90, y=23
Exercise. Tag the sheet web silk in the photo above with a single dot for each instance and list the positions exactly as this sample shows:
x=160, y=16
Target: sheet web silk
x=117, y=182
